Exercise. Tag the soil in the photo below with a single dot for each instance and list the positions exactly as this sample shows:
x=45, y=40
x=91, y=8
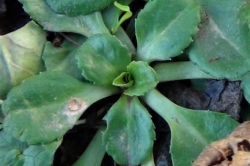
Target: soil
x=216, y=95
x=12, y=16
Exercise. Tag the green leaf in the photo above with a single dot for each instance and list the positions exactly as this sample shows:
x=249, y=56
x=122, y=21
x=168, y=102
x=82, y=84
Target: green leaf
x=179, y=71
x=112, y=14
x=164, y=28
x=191, y=130
x=245, y=87
x=130, y=132
x=94, y=153
x=77, y=7
x=126, y=16
x=36, y=155
x=144, y=78
x=1, y=113
x=86, y=25
x=111, y=17
x=44, y=107
x=221, y=47
x=102, y=58
x=245, y=13
x=16, y=153
x=124, y=80
x=11, y=152
x=62, y=58
x=20, y=54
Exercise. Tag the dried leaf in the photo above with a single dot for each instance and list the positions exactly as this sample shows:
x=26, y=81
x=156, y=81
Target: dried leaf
x=241, y=158
x=233, y=150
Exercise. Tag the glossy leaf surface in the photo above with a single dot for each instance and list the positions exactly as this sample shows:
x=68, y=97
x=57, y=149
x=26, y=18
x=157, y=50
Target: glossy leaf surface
x=191, y=130
x=20, y=54
x=62, y=58
x=144, y=78
x=221, y=47
x=77, y=7
x=102, y=58
x=159, y=28
x=45, y=107
x=86, y=25
x=130, y=132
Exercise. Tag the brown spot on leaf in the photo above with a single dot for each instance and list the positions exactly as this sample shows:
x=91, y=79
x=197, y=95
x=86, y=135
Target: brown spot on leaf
x=213, y=59
x=75, y=104
x=231, y=151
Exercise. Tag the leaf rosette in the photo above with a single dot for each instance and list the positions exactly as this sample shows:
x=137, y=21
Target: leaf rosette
x=105, y=61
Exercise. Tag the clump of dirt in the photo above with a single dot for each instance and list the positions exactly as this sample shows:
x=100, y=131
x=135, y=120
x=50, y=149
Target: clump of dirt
x=218, y=95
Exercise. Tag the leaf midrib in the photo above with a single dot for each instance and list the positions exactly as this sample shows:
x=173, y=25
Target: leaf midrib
x=164, y=30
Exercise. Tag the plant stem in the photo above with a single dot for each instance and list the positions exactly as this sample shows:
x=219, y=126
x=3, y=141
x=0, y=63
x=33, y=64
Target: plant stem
x=94, y=24
x=70, y=40
x=94, y=153
x=80, y=122
x=179, y=71
x=1, y=118
x=149, y=161
x=158, y=102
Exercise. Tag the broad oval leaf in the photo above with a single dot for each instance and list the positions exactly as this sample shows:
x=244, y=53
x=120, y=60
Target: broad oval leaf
x=191, y=130
x=130, y=132
x=14, y=152
x=62, y=58
x=86, y=25
x=44, y=107
x=77, y=7
x=20, y=54
x=164, y=28
x=221, y=47
x=144, y=78
x=102, y=58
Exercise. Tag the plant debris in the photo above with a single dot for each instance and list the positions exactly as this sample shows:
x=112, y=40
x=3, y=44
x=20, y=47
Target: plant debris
x=231, y=151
